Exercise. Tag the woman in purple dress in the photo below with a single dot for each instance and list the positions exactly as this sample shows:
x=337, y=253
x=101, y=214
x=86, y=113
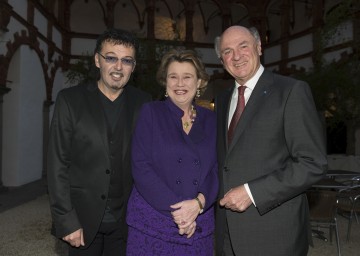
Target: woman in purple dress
x=170, y=210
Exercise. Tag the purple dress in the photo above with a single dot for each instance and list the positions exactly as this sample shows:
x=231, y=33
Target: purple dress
x=170, y=166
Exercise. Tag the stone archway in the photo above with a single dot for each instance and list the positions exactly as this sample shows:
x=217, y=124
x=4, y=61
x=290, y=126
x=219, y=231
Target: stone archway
x=43, y=84
x=22, y=148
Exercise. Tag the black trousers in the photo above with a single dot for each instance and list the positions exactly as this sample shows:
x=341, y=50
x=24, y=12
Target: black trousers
x=109, y=241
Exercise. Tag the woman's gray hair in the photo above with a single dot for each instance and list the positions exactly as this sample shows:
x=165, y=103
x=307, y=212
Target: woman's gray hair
x=252, y=30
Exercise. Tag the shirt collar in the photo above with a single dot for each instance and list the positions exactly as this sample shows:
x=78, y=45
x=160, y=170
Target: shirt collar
x=252, y=81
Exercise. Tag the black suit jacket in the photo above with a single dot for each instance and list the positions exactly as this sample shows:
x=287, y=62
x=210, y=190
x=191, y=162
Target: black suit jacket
x=79, y=158
x=279, y=150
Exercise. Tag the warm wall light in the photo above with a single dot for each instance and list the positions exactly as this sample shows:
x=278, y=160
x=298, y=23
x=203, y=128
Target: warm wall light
x=205, y=103
x=212, y=104
x=164, y=28
x=168, y=29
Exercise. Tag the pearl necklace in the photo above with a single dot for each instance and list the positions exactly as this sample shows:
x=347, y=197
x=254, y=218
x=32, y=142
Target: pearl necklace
x=192, y=118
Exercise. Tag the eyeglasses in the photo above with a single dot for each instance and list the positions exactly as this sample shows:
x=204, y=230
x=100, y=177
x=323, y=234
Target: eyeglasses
x=114, y=60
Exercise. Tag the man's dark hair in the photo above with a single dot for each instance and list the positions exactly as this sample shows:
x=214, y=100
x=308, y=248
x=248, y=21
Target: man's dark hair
x=117, y=37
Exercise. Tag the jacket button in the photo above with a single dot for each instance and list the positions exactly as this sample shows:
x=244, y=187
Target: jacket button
x=103, y=197
x=195, y=182
x=226, y=169
x=179, y=160
x=107, y=171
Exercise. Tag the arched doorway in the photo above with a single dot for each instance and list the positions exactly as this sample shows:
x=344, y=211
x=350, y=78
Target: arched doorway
x=22, y=119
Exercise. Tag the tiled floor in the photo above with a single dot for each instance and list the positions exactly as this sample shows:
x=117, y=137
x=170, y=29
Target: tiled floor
x=17, y=202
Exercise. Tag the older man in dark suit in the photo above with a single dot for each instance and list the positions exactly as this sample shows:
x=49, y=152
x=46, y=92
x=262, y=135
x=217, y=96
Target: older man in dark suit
x=268, y=155
x=89, y=170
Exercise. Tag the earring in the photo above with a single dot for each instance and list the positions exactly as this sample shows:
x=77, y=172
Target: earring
x=198, y=93
x=166, y=94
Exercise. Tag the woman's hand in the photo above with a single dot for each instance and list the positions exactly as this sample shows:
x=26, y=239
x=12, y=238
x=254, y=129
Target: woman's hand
x=184, y=216
x=189, y=231
x=185, y=212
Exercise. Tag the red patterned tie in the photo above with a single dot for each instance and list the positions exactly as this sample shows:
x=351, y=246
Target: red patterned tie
x=238, y=111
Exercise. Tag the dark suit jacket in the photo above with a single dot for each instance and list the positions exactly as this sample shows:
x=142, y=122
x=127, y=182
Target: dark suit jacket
x=279, y=150
x=79, y=159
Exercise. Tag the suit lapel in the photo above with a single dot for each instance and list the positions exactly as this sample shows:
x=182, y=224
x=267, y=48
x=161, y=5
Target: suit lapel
x=223, y=115
x=260, y=93
x=94, y=105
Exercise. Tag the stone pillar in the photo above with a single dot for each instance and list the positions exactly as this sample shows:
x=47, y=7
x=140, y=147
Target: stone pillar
x=189, y=14
x=109, y=14
x=3, y=91
x=150, y=9
x=226, y=21
x=317, y=13
x=356, y=27
x=285, y=21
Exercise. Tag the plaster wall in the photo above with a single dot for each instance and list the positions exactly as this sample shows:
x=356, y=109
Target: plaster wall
x=23, y=110
x=300, y=46
x=40, y=22
x=272, y=54
x=82, y=46
x=19, y=6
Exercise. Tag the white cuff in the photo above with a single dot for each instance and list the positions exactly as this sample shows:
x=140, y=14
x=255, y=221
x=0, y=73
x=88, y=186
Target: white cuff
x=249, y=193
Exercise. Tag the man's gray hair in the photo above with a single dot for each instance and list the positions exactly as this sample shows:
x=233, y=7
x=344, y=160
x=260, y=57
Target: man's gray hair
x=217, y=46
x=255, y=34
x=252, y=30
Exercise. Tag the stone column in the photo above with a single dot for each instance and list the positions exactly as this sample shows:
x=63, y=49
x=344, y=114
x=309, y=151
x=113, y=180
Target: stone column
x=285, y=21
x=226, y=21
x=318, y=14
x=356, y=26
x=189, y=14
x=150, y=9
x=3, y=91
x=109, y=14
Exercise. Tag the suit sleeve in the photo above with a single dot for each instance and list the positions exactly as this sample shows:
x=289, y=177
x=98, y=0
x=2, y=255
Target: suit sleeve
x=210, y=184
x=210, y=187
x=148, y=183
x=59, y=159
x=306, y=162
